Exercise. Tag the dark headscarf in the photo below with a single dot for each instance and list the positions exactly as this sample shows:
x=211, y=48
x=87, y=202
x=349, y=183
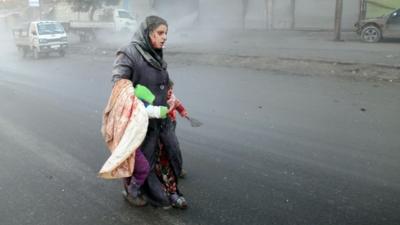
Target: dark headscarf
x=141, y=40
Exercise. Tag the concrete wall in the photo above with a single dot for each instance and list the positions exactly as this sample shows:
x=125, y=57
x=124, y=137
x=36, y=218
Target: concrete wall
x=141, y=8
x=221, y=13
x=176, y=12
x=256, y=16
x=309, y=14
x=282, y=14
x=350, y=13
x=260, y=17
x=319, y=14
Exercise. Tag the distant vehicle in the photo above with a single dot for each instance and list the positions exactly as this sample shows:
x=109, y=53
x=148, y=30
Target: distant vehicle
x=373, y=30
x=116, y=20
x=41, y=37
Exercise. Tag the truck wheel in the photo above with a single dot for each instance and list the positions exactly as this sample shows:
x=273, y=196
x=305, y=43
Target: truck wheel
x=371, y=34
x=36, y=54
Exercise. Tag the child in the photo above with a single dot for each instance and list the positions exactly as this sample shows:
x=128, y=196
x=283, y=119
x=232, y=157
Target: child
x=141, y=170
x=175, y=105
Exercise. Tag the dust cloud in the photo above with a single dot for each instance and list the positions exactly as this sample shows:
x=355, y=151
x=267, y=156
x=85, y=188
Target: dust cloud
x=189, y=22
x=7, y=45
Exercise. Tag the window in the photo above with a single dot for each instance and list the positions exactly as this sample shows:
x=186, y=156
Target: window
x=50, y=28
x=123, y=14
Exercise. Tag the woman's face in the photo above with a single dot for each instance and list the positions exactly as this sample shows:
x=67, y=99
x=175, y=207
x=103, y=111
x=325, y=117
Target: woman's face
x=158, y=37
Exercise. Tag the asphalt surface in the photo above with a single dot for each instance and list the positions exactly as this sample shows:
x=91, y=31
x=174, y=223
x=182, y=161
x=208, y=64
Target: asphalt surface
x=275, y=148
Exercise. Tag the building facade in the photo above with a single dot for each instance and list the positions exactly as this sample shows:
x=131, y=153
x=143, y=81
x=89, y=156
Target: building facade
x=248, y=14
x=277, y=14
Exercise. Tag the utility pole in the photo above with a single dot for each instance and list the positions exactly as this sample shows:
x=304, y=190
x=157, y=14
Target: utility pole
x=293, y=12
x=363, y=10
x=245, y=4
x=36, y=10
x=40, y=10
x=269, y=14
x=338, y=19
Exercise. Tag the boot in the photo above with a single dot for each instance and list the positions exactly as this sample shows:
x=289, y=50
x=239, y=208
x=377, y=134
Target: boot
x=132, y=195
x=178, y=201
x=183, y=174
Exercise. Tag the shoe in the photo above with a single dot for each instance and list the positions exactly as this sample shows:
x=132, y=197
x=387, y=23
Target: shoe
x=183, y=174
x=136, y=201
x=178, y=201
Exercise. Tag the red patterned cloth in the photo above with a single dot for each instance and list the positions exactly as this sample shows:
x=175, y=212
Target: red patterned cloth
x=164, y=172
x=124, y=128
x=175, y=105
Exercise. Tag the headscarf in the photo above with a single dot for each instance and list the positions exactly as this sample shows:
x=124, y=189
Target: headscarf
x=141, y=40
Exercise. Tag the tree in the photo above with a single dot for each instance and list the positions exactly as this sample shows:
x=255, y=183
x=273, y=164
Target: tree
x=363, y=10
x=338, y=19
x=245, y=6
x=90, y=5
x=293, y=12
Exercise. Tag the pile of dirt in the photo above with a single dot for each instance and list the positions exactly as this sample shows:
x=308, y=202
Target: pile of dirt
x=295, y=66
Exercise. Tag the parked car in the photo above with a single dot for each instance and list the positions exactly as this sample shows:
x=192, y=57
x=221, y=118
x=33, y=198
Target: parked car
x=41, y=37
x=373, y=30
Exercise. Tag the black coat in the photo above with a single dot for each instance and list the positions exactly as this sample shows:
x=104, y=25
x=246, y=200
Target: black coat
x=131, y=64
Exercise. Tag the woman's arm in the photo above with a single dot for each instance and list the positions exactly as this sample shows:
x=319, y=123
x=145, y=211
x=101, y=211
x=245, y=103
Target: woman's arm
x=122, y=68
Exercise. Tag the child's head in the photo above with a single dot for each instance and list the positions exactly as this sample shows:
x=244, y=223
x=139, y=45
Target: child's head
x=170, y=88
x=170, y=84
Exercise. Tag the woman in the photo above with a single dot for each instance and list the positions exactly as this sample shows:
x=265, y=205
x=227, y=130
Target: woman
x=142, y=62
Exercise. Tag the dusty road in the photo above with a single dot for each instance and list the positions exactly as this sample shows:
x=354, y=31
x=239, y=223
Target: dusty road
x=274, y=149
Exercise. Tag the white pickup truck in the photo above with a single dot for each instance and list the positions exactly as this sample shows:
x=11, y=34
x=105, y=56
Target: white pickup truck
x=41, y=37
x=119, y=20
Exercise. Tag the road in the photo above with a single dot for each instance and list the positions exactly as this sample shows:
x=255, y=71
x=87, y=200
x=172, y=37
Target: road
x=275, y=148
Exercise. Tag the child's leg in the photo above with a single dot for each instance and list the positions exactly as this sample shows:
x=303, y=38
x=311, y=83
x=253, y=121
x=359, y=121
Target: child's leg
x=142, y=168
x=140, y=173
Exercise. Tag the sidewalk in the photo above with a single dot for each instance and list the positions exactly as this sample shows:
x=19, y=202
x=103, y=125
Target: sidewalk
x=300, y=45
